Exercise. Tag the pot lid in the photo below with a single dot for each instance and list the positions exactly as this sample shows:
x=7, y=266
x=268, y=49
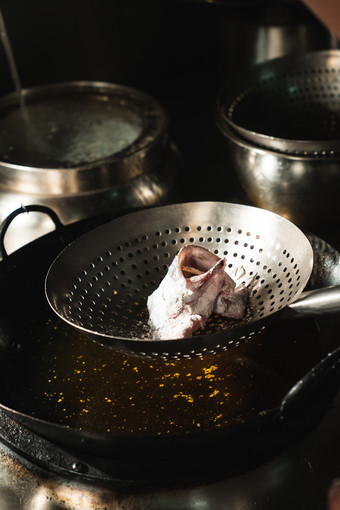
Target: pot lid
x=77, y=137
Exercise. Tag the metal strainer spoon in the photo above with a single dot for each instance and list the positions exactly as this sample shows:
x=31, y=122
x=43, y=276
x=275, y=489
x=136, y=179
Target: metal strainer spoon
x=99, y=284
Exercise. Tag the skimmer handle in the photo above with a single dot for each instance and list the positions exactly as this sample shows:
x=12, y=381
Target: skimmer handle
x=318, y=302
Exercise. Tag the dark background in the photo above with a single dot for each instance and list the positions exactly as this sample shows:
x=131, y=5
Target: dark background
x=179, y=51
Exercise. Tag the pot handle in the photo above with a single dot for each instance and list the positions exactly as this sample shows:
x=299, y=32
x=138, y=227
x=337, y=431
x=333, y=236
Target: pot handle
x=316, y=388
x=24, y=209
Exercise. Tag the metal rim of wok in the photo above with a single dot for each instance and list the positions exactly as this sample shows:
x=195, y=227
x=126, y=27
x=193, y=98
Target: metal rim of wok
x=99, y=283
x=289, y=104
x=26, y=269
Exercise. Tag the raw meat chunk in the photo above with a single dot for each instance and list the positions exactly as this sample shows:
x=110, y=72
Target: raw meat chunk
x=195, y=285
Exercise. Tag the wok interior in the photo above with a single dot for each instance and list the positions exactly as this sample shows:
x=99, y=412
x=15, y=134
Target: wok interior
x=69, y=380
x=106, y=291
x=72, y=381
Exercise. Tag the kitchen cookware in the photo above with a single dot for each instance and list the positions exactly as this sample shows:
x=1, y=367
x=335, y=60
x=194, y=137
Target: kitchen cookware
x=267, y=30
x=303, y=189
x=290, y=104
x=231, y=445
x=100, y=283
x=83, y=148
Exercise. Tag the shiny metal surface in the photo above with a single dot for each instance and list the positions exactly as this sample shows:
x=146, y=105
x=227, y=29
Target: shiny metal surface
x=77, y=137
x=289, y=104
x=302, y=189
x=274, y=30
x=155, y=187
x=143, y=173
x=323, y=301
x=100, y=283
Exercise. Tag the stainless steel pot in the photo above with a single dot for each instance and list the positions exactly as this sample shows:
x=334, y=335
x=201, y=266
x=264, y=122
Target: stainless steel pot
x=82, y=148
x=302, y=189
x=265, y=30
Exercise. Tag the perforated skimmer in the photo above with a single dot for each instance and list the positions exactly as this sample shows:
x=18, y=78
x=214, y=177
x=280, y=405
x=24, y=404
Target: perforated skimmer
x=100, y=283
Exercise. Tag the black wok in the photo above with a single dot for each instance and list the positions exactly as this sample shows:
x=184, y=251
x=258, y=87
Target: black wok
x=279, y=388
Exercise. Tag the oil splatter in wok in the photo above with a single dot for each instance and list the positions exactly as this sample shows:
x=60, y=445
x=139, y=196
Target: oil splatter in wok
x=67, y=379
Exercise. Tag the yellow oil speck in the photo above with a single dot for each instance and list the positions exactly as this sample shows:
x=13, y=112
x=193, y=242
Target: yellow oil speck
x=189, y=398
x=85, y=410
x=208, y=370
x=214, y=393
x=77, y=371
x=161, y=385
x=115, y=292
x=199, y=377
x=136, y=303
x=227, y=394
x=177, y=374
x=135, y=369
x=189, y=375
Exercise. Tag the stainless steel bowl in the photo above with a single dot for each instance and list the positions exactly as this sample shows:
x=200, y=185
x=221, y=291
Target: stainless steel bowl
x=302, y=189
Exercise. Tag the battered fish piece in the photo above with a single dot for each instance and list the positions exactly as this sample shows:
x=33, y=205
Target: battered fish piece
x=195, y=285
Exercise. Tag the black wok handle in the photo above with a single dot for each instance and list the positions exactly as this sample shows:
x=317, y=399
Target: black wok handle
x=316, y=388
x=25, y=209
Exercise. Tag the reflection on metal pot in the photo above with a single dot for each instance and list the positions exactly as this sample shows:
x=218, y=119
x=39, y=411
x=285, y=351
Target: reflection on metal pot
x=83, y=148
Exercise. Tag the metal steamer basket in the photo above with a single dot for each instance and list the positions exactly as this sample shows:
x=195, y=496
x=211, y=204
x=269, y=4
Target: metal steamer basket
x=289, y=104
x=100, y=283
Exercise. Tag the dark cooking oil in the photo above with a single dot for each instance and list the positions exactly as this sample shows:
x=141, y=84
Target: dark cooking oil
x=55, y=374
